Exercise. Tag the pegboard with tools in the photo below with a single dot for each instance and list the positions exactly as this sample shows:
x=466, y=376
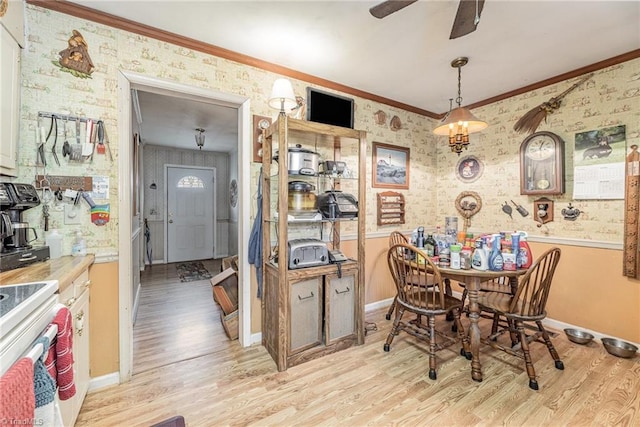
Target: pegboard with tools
x=77, y=138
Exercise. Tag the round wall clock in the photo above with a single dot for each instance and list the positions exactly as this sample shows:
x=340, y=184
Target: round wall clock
x=233, y=193
x=542, y=164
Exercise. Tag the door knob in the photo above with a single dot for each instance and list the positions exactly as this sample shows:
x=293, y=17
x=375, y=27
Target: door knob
x=170, y=221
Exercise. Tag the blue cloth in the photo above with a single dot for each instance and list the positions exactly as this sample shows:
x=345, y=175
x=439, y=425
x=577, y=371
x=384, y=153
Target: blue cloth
x=255, y=239
x=44, y=385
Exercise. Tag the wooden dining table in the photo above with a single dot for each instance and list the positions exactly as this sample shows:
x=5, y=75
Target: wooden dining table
x=472, y=280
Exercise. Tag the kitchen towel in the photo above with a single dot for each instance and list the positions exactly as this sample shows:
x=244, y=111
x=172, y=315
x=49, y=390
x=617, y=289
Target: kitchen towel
x=255, y=239
x=17, y=399
x=59, y=361
x=47, y=412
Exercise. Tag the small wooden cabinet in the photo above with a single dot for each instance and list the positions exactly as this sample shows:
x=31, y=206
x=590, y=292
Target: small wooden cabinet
x=315, y=310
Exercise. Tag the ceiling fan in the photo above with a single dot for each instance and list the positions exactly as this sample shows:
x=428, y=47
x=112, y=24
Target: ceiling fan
x=466, y=21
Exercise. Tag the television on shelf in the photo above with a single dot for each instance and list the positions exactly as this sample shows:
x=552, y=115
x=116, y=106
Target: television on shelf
x=330, y=109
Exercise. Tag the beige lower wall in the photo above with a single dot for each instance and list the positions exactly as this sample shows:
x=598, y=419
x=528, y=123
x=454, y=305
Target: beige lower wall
x=104, y=343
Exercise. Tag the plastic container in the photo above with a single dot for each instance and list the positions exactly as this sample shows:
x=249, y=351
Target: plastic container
x=54, y=241
x=479, y=258
x=455, y=256
x=79, y=247
x=496, y=260
x=524, y=258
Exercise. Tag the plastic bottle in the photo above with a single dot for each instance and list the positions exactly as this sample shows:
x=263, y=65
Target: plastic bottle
x=430, y=246
x=524, y=259
x=455, y=256
x=479, y=258
x=54, y=241
x=79, y=247
x=465, y=257
x=496, y=260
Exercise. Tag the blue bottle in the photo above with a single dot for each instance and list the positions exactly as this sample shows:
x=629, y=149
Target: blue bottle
x=496, y=260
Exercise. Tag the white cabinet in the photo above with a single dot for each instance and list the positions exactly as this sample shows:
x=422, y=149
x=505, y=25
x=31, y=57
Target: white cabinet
x=76, y=298
x=13, y=20
x=9, y=102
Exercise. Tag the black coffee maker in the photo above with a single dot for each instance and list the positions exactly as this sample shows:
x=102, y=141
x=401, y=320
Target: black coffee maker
x=16, y=234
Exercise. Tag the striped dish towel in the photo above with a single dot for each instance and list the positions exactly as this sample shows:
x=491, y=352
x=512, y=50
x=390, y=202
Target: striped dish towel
x=59, y=361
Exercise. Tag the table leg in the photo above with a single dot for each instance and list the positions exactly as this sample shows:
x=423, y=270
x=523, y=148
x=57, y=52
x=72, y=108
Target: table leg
x=473, y=286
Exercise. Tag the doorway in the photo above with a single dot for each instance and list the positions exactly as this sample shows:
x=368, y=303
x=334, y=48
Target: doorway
x=190, y=213
x=126, y=229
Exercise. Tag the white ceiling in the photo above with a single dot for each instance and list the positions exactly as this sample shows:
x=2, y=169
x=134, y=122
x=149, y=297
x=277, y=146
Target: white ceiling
x=406, y=56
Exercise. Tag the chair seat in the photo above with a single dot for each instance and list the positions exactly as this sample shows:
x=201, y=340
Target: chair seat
x=501, y=303
x=427, y=297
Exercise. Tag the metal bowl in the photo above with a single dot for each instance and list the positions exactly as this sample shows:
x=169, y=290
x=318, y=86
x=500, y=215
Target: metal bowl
x=619, y=348
x=578, y=337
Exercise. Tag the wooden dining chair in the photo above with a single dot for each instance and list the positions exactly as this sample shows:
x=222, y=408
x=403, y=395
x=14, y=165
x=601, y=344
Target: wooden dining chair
x=421, y=291
x=524, y=309
x=503, y=285
x=394, y=238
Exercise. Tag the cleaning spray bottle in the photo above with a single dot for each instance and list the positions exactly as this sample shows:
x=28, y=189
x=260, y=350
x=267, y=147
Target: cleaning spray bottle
x=496, y=260
x=524, y=258
x=479, y=258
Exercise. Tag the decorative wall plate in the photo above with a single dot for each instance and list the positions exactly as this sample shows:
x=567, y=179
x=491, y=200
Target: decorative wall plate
x=469, y=169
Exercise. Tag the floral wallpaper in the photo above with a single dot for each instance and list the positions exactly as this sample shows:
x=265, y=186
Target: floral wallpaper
x=611, y=97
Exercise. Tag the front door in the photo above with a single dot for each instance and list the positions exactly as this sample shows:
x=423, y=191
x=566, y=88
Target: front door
x=190, y=213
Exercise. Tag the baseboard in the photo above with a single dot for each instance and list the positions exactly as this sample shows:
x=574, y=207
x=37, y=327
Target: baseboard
x=547, y=322
x=256, y=338
x=104, y=381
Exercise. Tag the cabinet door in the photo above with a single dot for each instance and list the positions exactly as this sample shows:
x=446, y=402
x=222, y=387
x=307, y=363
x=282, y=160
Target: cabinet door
x=305, y=327
x=340, y=305
x=9, y=102
x=80, y=320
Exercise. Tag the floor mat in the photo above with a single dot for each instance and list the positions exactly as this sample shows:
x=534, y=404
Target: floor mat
x=192, y=271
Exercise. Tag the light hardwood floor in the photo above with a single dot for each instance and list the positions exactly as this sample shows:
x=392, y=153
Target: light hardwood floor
x=364, y=385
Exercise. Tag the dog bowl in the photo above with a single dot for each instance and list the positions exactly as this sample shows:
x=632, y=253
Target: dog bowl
x=578, y=337
x=619, y=348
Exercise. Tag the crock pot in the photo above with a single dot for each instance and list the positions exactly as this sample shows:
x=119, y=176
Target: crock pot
x=301, y=196
x=301, y=161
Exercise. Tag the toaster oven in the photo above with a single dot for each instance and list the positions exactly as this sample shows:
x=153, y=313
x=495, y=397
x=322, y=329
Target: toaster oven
x=307, y=253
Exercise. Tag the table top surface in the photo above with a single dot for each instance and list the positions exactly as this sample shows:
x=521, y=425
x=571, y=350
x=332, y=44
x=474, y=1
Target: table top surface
x=485, y=274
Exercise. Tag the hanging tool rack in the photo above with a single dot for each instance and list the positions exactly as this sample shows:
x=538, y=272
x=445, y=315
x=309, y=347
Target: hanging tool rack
x=97, y=139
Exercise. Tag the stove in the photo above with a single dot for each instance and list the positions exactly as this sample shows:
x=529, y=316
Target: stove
x=22, y=257
x=25, y=312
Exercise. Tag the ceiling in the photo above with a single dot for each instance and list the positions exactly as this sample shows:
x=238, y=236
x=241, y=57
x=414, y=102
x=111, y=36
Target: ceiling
x=404, y=57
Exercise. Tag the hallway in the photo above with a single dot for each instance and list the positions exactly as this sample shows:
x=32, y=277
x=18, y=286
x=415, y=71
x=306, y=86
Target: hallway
x=176, y=320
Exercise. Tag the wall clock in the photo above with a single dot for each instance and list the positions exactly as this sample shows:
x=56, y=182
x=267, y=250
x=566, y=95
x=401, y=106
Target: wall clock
x=542, y=164
x=233, y=193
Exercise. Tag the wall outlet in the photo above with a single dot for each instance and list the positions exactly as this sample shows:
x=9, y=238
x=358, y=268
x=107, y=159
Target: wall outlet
x=72, y=215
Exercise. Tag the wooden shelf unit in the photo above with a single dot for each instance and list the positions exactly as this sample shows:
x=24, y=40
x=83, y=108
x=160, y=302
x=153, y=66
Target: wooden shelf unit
x=310, y=312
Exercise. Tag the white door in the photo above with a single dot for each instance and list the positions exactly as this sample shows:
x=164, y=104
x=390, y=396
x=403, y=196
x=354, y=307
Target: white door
x=190, y=213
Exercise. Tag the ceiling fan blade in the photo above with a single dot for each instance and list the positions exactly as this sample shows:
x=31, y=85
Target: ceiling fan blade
x=466, y=21
x=386, y=8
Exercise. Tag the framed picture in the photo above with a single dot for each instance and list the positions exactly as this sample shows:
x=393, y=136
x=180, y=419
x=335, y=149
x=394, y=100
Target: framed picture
x=390, y=166
x=469, y=169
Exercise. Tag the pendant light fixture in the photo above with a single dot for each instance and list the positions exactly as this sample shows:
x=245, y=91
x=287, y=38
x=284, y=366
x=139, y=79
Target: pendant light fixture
x=459, y=122
x=200, y=137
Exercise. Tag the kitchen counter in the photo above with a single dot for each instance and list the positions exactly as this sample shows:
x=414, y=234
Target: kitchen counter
x=64, y=269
